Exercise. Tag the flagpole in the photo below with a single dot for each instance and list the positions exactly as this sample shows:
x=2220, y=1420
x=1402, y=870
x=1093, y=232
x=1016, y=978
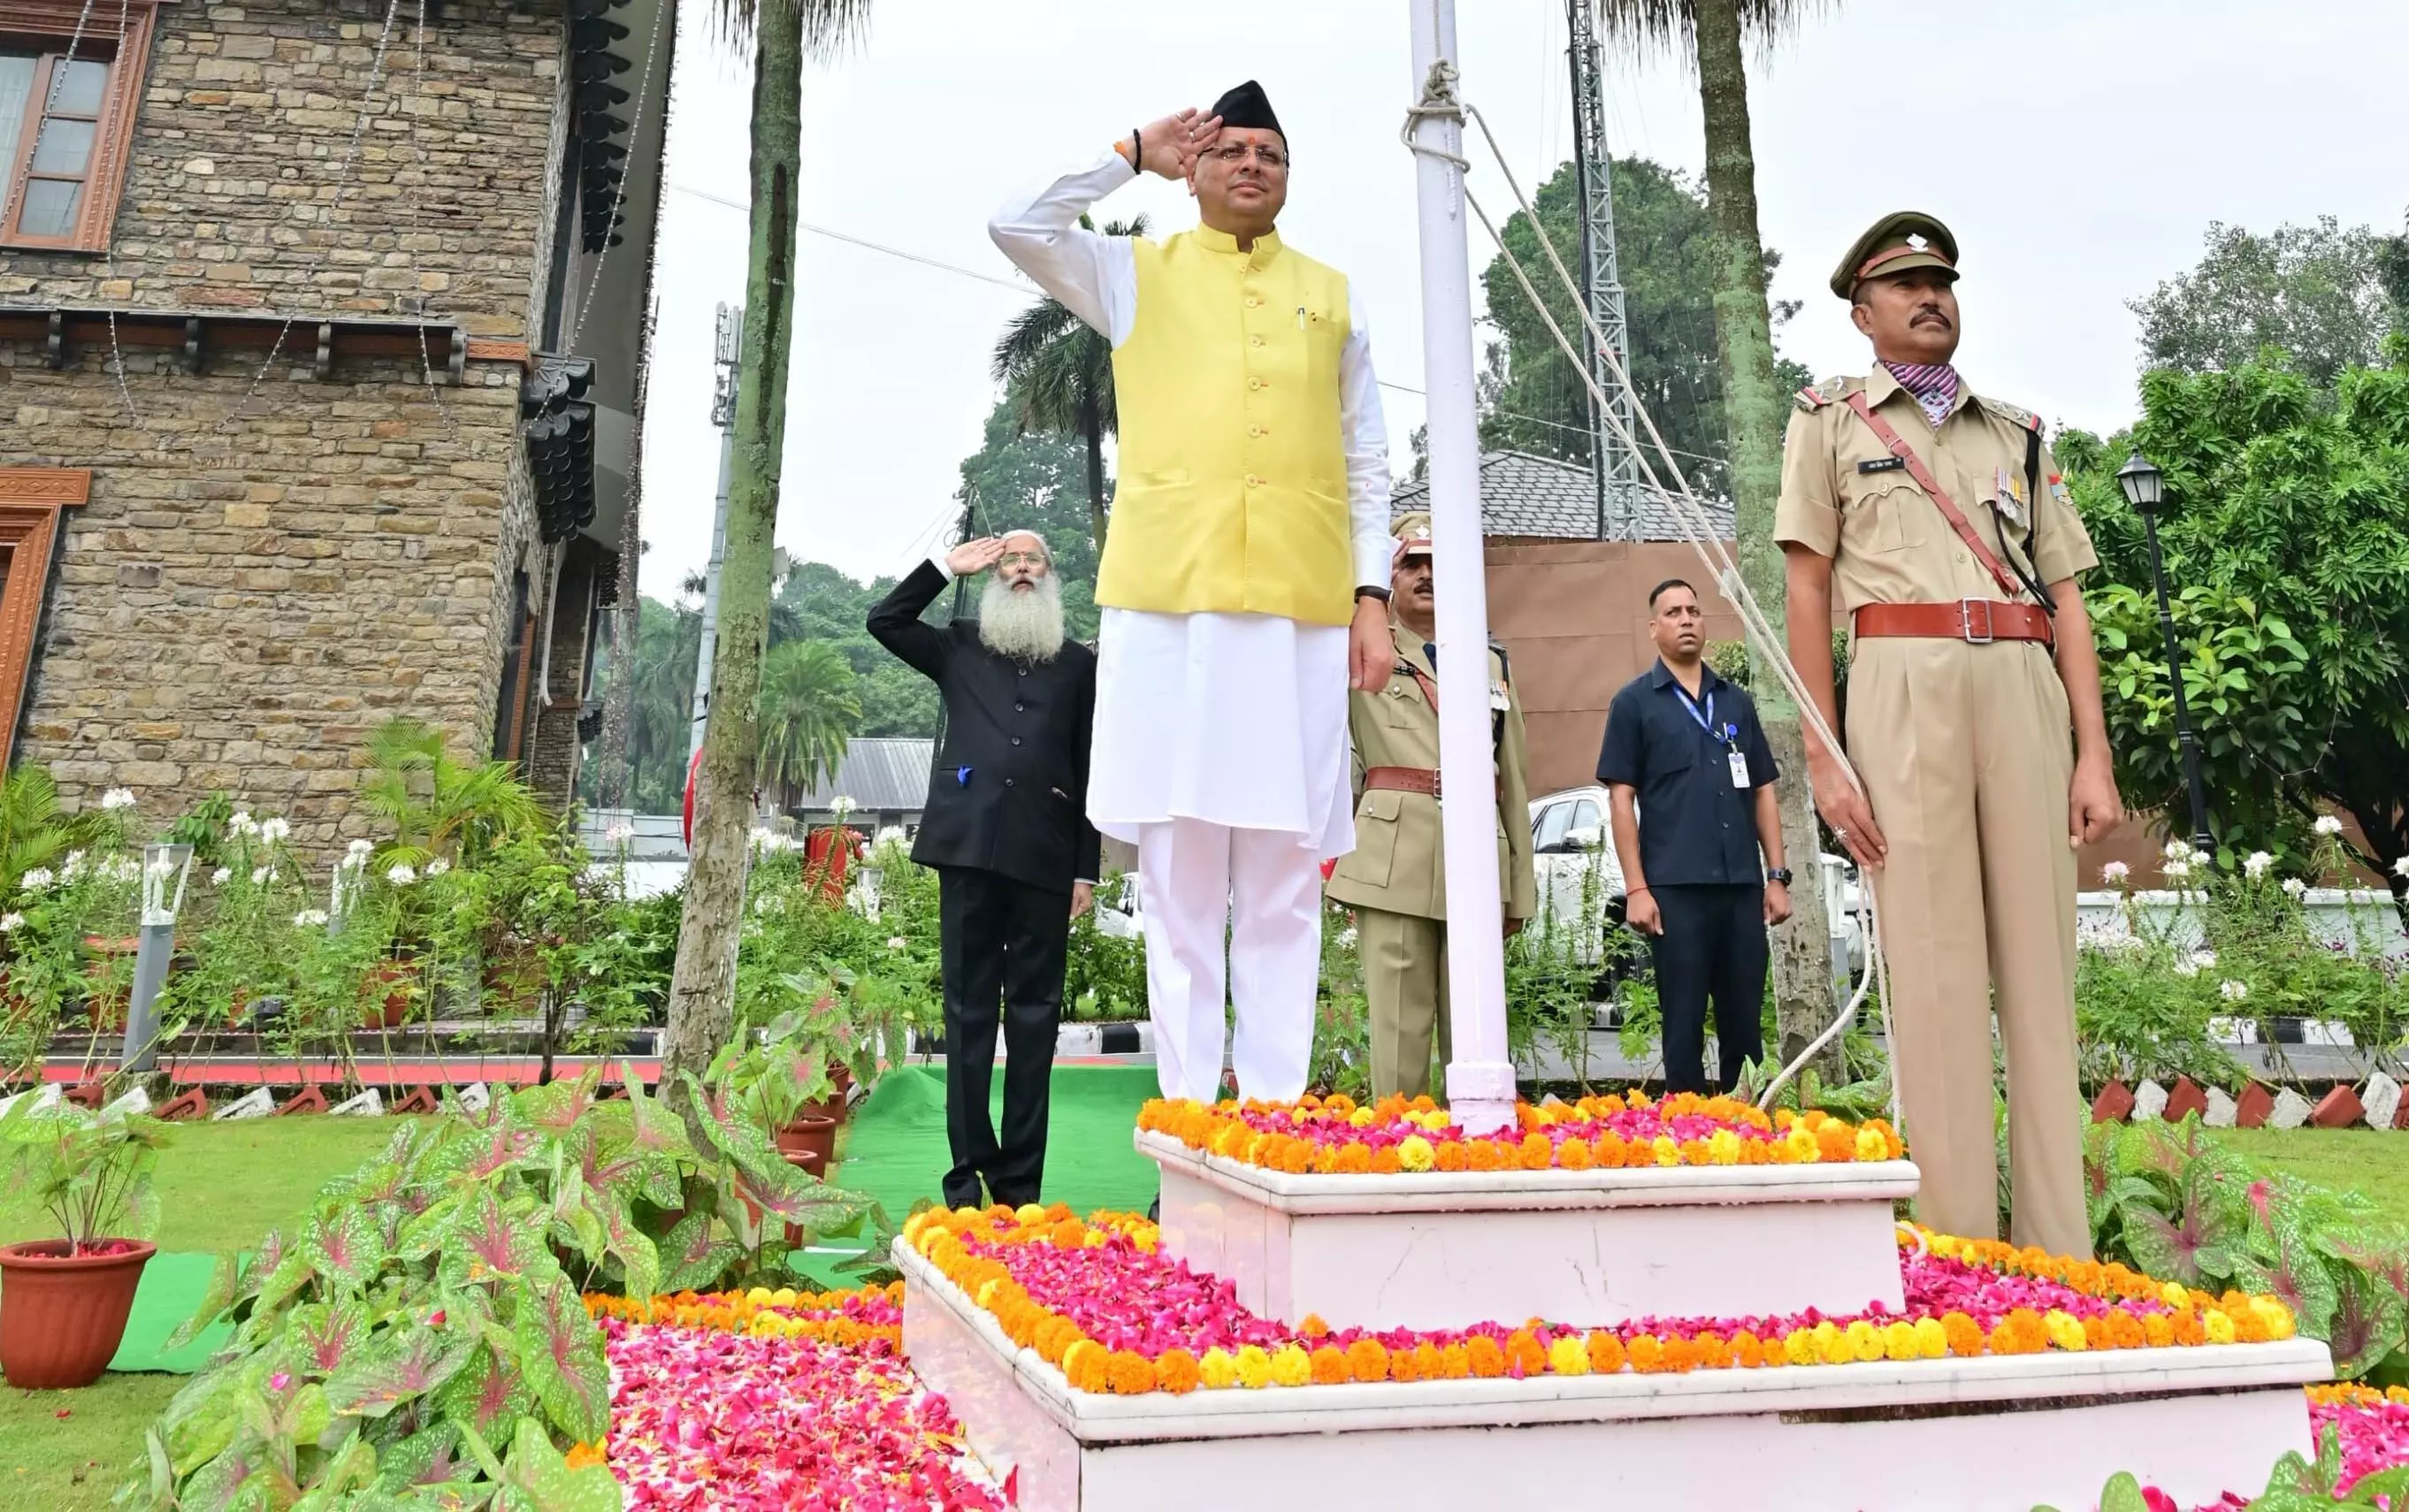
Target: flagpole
x=1480, y=1078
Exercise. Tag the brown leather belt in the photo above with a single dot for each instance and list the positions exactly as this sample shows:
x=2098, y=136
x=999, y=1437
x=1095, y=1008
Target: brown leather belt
x=1975, y=621
x=1402, y=779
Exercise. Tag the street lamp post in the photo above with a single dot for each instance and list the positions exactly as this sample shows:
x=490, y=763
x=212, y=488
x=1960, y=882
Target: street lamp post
x=2144, y=487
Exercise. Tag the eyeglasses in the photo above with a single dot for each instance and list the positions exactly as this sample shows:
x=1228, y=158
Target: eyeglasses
x=1022, y=559
x=1234, y=153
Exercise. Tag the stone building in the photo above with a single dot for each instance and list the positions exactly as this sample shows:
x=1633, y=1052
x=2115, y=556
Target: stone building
x=320, y=337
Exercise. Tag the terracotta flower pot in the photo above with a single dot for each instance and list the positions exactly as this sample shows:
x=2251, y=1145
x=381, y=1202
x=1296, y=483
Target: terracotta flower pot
x=384, y=994
x=514, y=979
x=810, y=1134
x=61, y=1315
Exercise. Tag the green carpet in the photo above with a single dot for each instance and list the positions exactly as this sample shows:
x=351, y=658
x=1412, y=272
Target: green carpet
x=895, y=1145
x=172, y=1287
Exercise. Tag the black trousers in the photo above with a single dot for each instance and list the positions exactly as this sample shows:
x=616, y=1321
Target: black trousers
x=1001, y=943
x=1713, y=947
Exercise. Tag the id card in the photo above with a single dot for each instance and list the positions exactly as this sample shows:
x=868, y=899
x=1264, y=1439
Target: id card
x=1739, y=768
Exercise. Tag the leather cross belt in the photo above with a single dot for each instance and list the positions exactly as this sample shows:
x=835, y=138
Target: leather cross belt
x=1975, y=621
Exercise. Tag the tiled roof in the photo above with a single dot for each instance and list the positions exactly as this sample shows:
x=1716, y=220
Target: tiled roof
x=1522, y=495
x=878, y=774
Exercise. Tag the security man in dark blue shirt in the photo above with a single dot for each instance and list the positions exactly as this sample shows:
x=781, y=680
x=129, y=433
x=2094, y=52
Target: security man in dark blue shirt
x=1684, y=750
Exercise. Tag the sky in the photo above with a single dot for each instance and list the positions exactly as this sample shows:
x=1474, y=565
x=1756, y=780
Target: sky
x=2079, y=149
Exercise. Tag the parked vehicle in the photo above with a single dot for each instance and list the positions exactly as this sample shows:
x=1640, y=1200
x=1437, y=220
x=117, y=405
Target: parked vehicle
x=1570, y=838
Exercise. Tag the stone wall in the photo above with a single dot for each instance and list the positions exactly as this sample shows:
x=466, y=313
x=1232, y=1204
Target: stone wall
x=271, y=564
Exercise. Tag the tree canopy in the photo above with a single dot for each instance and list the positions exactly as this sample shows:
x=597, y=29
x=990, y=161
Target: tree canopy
x=2325, y=293
x=1533, y=400
x=2285, y=533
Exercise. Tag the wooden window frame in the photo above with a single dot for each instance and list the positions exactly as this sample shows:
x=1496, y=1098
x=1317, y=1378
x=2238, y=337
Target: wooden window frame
x=31, y=500
x=48, y=26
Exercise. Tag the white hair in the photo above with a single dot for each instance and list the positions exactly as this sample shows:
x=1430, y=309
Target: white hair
x=1026, y=626
x=1044, y=550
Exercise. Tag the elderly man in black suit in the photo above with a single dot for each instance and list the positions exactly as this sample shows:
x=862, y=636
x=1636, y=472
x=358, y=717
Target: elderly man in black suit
x=1007, y=828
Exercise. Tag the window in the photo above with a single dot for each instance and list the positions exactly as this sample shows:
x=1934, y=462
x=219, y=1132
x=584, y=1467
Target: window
x=1553, y=821
x=1584, y=816
x=66, y=125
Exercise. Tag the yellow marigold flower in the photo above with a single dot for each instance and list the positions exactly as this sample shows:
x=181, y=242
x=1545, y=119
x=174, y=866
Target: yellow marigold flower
x=1218, y=1371
x=1415, y=1153
x=1077, y=1355
x=1864, y=1340
x=1798, y=1346
x=1931, y=1339
x=584, y=1455
x=1900, y=1341
x=1254, y=1367
x=1666, y=1152
x=1832, y=1346
x=757, y=1295
x=1361, y=1118
x=2276, y=1315
x=2065, y=1330
x=1097, y=1239
x=1871, y=1145
x=2220, y=1328
x=1454, y=1361
x=1800, y=1142
x=1722, y=1147
x=1292, y=1366
x=1569, y=1354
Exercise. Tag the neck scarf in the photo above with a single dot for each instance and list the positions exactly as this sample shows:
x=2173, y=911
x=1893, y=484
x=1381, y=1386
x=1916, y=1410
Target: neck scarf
x=1933, y=384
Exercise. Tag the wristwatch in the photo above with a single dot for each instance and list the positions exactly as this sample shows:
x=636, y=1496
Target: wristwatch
x=1779, y=873
x=1367, y=591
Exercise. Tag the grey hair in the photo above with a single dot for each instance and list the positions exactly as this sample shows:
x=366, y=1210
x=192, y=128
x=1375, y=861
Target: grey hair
x=1042, y=545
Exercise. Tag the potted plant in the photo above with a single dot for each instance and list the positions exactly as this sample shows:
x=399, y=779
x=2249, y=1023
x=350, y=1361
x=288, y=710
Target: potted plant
x=782, y=1071
x=63, y=1301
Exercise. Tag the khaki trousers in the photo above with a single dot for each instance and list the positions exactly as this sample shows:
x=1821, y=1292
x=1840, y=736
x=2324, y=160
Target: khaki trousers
x=1404, y=984
x=1965, y=752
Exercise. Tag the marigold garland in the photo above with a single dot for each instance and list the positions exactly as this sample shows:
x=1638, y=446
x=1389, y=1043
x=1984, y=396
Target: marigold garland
x=1336, y=1136
x=1116, y=1316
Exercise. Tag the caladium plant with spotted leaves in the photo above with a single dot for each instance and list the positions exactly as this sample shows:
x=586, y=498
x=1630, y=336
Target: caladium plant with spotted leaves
x=416, y=1340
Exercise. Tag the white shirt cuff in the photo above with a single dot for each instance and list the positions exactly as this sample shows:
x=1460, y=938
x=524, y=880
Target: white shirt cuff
x=937, y=560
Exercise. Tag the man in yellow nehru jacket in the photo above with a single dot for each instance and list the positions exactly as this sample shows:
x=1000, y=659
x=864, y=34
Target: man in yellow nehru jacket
x=1244, y=578
x=1935, y=518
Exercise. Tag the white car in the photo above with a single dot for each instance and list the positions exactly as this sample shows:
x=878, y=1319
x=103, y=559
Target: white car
x=1571, y=841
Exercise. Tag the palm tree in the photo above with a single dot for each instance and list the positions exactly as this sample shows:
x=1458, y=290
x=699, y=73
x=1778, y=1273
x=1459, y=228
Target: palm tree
x=438, y=805
x=702, y=985
x=808, y=712
x=1058, y=373
x=1711, y=32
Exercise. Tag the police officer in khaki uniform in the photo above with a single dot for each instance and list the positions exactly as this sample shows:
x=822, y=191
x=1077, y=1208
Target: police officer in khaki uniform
x=1934, y=518
x=1394, y=878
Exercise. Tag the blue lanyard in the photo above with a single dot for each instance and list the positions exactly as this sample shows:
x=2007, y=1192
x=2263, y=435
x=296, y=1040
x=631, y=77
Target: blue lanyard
x=1706, y=720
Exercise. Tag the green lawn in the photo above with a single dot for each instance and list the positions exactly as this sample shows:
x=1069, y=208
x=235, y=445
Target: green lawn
x=222, y=1186
x=2365, y=1161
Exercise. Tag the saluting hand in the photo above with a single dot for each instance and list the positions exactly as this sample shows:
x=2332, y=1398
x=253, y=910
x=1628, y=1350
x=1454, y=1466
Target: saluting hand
x=974, y=555
x=1172, y=144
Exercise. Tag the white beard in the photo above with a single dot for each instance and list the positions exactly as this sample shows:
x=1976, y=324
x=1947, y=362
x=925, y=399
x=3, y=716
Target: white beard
x=1026, y=627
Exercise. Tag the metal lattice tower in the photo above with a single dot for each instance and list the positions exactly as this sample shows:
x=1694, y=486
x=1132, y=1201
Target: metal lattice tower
x=1612, y=463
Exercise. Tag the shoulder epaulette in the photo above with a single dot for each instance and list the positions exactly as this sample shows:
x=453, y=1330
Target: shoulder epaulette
x=2021, y=419
x=1815, y=396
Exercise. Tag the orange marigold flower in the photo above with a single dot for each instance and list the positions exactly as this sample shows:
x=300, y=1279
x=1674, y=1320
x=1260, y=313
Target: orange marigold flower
x=1482, y=1154
x=1385, y=1162
x=1713, y=1353
x=1747, y=1350
x=1574, y=1154
x=1525, y=1353
x=1330, y=1366
x=1836, y=1142
x=1610, y=1151
x=1129, y=1374
x=1646, y=1353
x=1539, y=1151
x=2186, y=1330
x=1406, y=1365
x=1605, y=1353
x=2156, y=1332
x=1355, y=1161
x=1367, y=1359
x=1451, y=1155
x=2125, y=1332
x=1965, y=1334
x=582, y=1456
x=1454, y=1361
x=1312, y=1327
x=2250, y=1328
x=1487, y=1360
x=1682, y=1355
x=1086, y=1364
x=1177, y=1372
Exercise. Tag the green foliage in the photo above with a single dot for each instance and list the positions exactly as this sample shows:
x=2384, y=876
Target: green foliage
x=2316, y=290
x=2286, y=535
x=1552, y=964
x=1037, y=480
x=438, y=805
x=2300, y=1485
x=426, y=1307
x=1533, y=400
x=33, y=832
x=1104, y=974
x=1342, y=1043
x=1057, y=371
x=808, y=711
x=2169, y=1200
x=90, y=1171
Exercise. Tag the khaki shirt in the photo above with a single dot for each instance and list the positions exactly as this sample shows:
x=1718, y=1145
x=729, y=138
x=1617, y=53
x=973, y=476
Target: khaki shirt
x=1889, y=542
x=1397, y=863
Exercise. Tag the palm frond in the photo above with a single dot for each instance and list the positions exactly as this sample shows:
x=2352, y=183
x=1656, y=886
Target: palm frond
x=827, y=26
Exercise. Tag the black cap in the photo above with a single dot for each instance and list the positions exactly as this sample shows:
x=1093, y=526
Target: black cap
x=1247, y=108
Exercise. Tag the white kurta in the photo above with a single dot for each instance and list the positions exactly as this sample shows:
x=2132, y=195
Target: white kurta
x=1239, y=720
